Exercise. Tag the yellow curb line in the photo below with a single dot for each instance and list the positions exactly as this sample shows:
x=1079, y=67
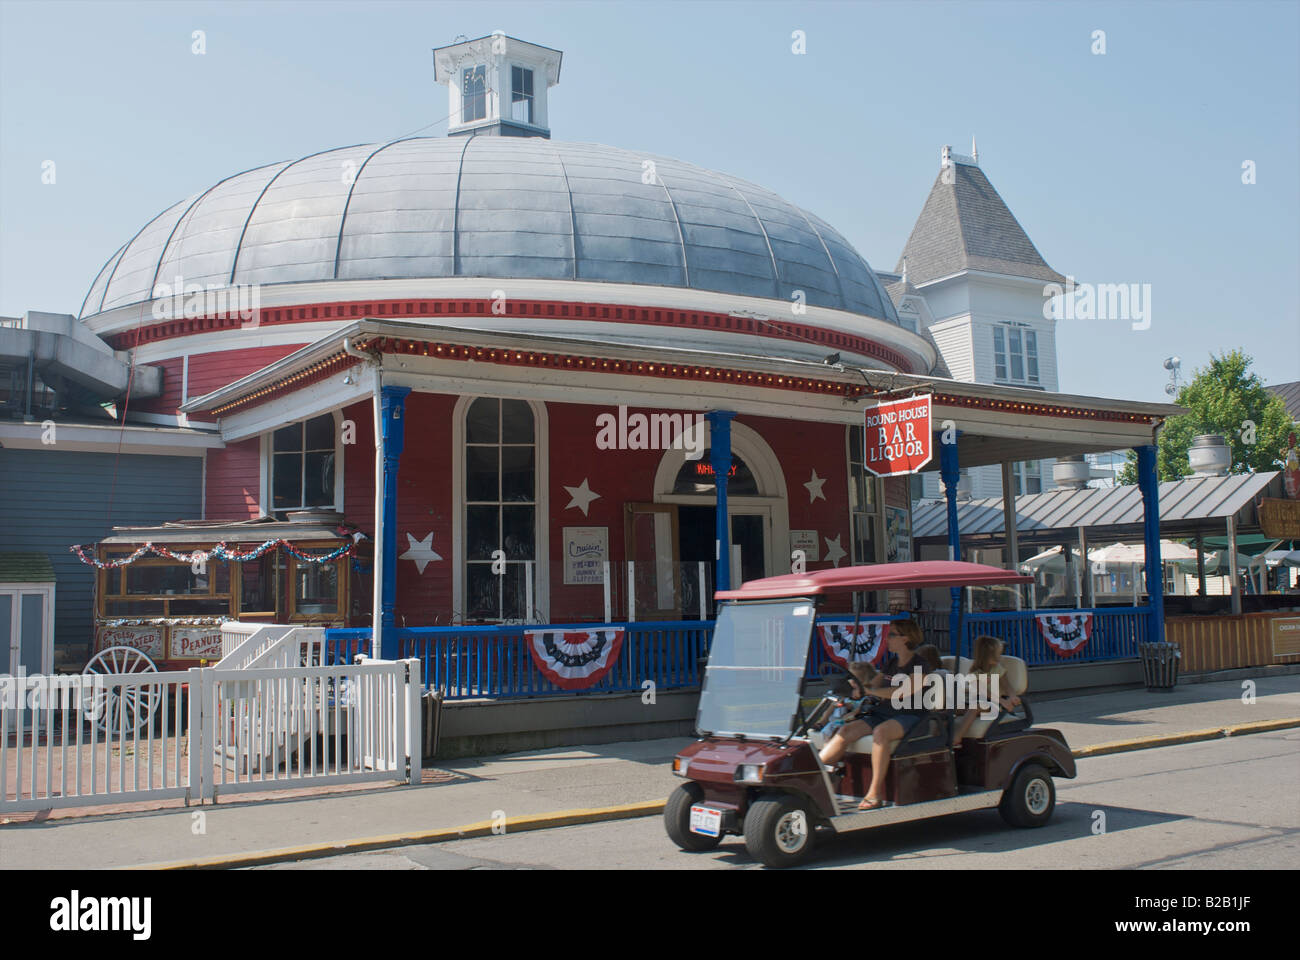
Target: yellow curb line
x=626, y=811
x=1191, y=736
x=484, y=828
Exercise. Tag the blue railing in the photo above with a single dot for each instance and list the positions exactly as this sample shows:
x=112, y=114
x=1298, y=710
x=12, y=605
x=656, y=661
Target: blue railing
x=342, y=646
x=1116, y=632
x=494, y=661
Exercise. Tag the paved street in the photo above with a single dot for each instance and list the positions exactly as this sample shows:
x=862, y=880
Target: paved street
x=1228, y=804
x=460, y=792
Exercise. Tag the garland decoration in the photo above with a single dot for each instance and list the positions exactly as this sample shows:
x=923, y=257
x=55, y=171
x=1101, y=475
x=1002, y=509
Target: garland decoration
x=219, y=552
x=163, y=621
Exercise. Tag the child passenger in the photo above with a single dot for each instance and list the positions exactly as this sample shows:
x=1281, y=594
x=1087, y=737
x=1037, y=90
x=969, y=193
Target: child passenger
x=987, y=663
x=860, y=676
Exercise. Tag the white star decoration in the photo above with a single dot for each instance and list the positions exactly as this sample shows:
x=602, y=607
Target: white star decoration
x=421, y=551
x=582, y=496
x=834, y=552
x=815, y=487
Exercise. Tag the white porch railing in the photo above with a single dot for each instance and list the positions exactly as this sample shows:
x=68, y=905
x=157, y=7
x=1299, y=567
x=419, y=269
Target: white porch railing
x=242, y=643
x=74, y=741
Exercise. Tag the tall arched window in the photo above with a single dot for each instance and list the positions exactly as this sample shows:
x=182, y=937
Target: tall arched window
x=500, y=508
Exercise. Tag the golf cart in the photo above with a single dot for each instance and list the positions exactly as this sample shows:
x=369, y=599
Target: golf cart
x=756, y=770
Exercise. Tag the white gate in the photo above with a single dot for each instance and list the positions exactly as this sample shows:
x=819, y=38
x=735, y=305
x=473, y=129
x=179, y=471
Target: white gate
x=73, y=741
x=276, y=727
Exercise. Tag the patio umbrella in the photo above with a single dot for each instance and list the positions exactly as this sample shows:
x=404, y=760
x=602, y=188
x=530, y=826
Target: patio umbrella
x=1049, y=561
x=1135, y=553
x=1282, y=558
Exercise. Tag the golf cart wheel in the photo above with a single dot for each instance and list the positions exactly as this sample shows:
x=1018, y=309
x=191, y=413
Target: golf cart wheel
x=677, y=819
x=778, y=831
x=1030, y=799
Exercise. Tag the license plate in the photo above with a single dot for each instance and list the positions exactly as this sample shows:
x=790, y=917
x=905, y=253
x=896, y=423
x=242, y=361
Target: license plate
x=707, y=821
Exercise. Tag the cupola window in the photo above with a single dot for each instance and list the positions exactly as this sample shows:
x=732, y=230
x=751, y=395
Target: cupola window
x=473, y=92
x=521, y=94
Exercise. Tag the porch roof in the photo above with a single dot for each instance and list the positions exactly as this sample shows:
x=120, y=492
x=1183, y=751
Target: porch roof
x=1186, y=506
x=247, y=531
x=995, y=423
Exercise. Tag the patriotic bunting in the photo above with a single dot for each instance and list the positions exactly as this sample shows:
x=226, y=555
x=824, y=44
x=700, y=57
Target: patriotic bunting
x=1065, y=633
x=844, y=646
x=575, y=659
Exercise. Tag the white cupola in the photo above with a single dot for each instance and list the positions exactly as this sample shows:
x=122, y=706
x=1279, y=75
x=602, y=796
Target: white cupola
x=497, y=86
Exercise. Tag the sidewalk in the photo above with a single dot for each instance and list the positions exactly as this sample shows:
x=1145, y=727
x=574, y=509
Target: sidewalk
x=522, y=785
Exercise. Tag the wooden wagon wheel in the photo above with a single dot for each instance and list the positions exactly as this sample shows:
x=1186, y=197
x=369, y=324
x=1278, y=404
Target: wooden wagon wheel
x=112, y=707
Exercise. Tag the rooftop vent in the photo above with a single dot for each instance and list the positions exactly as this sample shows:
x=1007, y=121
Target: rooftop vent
x=1209, y=455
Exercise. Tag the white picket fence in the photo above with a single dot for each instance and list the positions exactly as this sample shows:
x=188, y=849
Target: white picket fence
x=79, y=740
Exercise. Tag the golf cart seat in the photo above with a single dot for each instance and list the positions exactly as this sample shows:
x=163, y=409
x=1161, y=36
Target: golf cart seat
x=1015, y=680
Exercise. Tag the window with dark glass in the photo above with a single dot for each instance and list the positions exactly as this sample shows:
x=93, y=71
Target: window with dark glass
x=500, y=507
x=302, y=465
x=863, y=505
x=473, y=92
x=697, y=476
x=521, y=94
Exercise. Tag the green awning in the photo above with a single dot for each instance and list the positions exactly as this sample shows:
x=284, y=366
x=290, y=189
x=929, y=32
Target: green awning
x=25, y=568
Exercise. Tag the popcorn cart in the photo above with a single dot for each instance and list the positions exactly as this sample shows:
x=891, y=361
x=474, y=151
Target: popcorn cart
x=162, y=593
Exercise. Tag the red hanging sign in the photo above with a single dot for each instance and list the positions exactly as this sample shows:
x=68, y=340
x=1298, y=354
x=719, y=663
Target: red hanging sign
x=898, y=438
x=1065, y=633
x=574, y=659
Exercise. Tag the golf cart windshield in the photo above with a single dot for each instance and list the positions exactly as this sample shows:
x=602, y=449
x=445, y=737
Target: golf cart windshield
x=756, y=663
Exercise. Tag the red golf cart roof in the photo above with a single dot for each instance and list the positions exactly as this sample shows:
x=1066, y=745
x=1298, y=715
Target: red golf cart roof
x=874, y=576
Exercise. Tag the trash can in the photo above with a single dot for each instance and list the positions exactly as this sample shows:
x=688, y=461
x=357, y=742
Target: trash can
x=1160, y=664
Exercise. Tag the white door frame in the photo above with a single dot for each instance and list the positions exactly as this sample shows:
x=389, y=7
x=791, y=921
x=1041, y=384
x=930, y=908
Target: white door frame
x=17, y=591
x=771, y=502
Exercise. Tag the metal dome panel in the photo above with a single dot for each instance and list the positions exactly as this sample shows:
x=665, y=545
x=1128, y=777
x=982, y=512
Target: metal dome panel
x=494, y=207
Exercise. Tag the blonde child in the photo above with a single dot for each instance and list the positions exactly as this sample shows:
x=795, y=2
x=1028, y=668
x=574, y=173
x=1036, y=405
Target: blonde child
x=987, y=662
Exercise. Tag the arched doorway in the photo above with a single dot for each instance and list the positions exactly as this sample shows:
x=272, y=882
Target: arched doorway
x=757, y=507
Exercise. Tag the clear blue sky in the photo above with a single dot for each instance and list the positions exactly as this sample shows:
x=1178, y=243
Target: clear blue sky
x=1122, y=168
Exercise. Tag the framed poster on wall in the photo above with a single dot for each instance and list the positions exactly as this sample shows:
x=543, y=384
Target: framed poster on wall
x=586, y=549
x=898, y=534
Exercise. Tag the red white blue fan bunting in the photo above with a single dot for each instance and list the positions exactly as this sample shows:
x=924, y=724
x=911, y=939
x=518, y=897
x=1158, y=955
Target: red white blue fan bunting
x=1065, y=633
x=843, y=645
x=574, y=659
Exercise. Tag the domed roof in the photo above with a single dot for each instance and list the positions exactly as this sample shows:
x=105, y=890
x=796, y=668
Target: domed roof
x=493, y=207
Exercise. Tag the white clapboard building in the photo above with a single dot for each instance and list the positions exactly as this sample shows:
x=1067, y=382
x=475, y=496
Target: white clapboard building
x=970, y=278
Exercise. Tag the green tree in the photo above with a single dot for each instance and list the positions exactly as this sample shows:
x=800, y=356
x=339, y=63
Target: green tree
x=1224, y=398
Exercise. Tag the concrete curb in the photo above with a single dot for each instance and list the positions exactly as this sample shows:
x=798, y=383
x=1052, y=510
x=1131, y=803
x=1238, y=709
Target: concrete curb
x=484, y=828
x=627, y=811
x=1191, y=736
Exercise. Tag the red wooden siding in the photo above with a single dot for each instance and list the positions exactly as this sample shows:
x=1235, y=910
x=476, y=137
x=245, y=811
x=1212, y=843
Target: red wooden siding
x=233, y=479
x=423, y=505
x=619, y=476
x=212, y=371
x=170, y=398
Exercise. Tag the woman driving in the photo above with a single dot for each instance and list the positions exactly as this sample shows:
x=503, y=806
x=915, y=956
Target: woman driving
x=886, y=723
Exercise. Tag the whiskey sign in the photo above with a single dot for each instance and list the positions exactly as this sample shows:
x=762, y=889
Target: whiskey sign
x=1280, y=519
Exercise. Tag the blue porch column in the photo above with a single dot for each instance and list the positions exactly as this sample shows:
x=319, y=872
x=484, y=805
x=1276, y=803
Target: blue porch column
x=720, y=454
x=393, y=410
x=1150, y=487
x=950, y=473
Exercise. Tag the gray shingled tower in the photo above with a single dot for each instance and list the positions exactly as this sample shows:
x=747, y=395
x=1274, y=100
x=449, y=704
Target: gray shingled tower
x=965, y=225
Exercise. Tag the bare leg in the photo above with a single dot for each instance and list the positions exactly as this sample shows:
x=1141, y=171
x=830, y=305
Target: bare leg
x=881, y=742
x=968, y=718
x=847, y=734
